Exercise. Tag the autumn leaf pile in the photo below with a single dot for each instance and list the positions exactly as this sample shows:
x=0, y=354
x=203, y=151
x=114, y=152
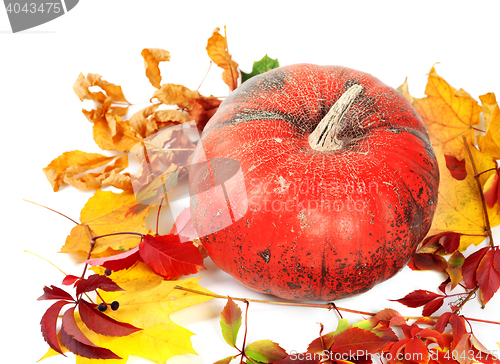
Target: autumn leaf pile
x=137, y=279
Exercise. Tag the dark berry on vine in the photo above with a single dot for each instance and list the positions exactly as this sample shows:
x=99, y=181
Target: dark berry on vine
x=102, y=307
x=115, y=305
x=107, y=272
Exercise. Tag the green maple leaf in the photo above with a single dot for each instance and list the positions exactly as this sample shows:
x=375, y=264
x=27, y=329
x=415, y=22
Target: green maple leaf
x=264, y=65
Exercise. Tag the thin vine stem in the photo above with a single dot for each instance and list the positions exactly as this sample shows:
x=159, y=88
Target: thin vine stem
x=328, y=306
x=480, y=188
x=48, y=208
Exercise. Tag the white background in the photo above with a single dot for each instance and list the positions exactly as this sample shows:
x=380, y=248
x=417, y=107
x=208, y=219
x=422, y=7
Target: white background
x=41, y=118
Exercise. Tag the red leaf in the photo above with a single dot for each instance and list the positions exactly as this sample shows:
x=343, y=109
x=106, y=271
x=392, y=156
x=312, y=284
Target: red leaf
x=432, y=306
x=487, y=277
x=456, y=167
x=461, y=349
x=170, y=258
x=49, y=325
x=386, y=315
x=396, y=349
x=458, y=329
x=427, y=261
x=96, y=281
x=425, y=321
x=492, y=189
x=416, y=351
x=449, y=240
x=418, y=298
x=433, y=335
x=442, y=286
x=354, y=339
x=442, y=322
x=87, y=351
x=470, y=266
x=183, y=226
x=71, y=327
x=70, y=279
x=496, y=260
x=119, y=261
x=101, y=323
x=54, y=293
x=230, y=322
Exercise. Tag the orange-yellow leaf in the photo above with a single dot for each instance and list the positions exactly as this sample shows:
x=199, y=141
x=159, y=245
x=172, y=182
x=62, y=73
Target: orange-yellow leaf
x=112, y=133
x=218, y=52
x=82, y=85
x=448, y=114
x=459, y=207
x=72, y=163
x=152, y=58
x=404, y=90
x=105, y=213
x=483, y=161
x=490, y=143
x=141, y=123
x=171, y=94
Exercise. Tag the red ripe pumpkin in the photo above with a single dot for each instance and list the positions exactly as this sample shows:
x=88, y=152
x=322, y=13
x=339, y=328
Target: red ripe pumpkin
x=313, y=221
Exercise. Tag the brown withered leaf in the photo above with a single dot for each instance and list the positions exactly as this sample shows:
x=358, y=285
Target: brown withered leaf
x=218, y=52
x=111, y=176
x=199, y=107
x=104, y=213
x=141, y=123
x=113, y=133
x=152, y=58
x=448, y=114
x=71, y=164
x=490, y=143
x=82, y=85
x=171, y=116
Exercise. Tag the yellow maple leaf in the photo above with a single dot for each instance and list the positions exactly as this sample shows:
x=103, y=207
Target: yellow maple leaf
x=152, y=58
x=148, y=303
x=218, y=52
x=490, y=142
x=104, y=213
x=459, y=208
x=447, y=114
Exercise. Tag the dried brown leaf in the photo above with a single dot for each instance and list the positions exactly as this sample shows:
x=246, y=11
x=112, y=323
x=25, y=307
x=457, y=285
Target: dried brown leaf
x=152, y=58
x=218, y=52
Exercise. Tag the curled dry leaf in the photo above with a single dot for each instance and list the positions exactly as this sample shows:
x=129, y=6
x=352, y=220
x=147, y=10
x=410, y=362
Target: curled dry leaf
x=218, y=52
x=152, y=58
x=82, y=85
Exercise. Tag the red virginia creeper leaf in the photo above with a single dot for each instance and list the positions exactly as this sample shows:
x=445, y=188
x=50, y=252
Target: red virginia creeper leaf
x=492, y=189
x=101, y=323
x=230, y=322
x=354, y=339
x=323, y=342
x=417, y=298
x=448, y=240
x=396, y=348
x=425, y=321
x=487, y=277
x=432, y=306
x=433, y=335
x=496, y=260
x=461, y=350
x=170, y=258
x=442, y=321
x=87, y=351
x=416, y=351
x=265, y=351
x=470, y=266
x=70, y=279
x=119, y=261
x=456, y=167
x=442, y=286
x=427, y=261
x=49, y=325
x=96, y=281
x=71, y=327
x=54, y=293
x=458, y=329
x=386, y=315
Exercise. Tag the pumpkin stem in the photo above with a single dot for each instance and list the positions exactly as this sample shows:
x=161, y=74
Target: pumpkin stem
x=325, y=136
